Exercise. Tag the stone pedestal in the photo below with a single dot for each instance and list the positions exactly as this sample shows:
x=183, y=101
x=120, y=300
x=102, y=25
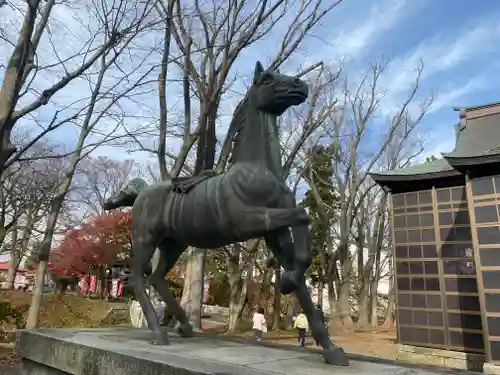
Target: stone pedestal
x=439, y=357
x=491, y=369
x=126, y=351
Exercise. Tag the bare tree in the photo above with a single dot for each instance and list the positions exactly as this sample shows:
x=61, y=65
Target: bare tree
x=369, y=239
x=98, y=178
x=113, y=80
x=372, y=237
x=26, y=191
x=356, y=156
x=22, y=70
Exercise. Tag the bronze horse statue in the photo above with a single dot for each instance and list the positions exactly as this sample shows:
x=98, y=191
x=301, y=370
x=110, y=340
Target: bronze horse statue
x=250, y=200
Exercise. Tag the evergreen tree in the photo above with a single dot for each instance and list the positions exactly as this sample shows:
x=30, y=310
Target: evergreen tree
x=321, y=202
x=430, y=159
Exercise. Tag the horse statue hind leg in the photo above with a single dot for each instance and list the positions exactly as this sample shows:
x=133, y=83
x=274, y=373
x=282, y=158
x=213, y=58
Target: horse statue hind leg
x=147, y=235
x=144, y=244
x=143, y=251
x=170, y=250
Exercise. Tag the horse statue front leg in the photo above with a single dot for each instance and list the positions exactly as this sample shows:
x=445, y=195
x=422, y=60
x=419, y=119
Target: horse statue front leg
x=294, y=256
x=299, y=258
x=278, y=220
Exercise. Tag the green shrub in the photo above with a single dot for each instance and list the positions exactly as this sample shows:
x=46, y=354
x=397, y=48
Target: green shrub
x=13, y=314
x=219, y=290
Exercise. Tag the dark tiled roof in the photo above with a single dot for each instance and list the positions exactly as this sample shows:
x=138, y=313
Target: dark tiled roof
x=419, y=172
x=436, y=166
x=477, y=137
x=477, y=141
x=475, y=107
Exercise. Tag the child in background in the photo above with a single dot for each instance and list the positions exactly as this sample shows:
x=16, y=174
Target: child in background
x=259, y=324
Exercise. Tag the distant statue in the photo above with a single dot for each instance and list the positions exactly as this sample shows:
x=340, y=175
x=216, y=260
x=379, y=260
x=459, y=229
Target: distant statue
x=250, y=200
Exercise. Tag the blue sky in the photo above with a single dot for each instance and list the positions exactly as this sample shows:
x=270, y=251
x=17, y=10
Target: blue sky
x=457, y=41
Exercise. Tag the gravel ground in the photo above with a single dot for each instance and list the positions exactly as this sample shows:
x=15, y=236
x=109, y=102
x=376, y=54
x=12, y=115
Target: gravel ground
x=9, y=369
x=9, y=363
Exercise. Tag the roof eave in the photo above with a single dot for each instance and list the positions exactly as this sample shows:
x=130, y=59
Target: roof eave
x=461, y=161
x=492, y=104
x=381, y=178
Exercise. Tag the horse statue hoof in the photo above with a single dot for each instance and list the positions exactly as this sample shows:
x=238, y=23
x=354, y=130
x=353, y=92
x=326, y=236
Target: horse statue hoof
x=185, y=330
x=288, y=283
x=161, y=340
x=335, y=356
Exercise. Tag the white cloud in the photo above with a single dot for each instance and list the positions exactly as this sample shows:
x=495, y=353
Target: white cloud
x=352, y=40
x=356, y=34
x=449, y=97
x=442, y=53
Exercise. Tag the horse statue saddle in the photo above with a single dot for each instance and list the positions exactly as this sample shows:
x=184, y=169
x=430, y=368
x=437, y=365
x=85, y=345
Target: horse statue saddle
x=183, y=185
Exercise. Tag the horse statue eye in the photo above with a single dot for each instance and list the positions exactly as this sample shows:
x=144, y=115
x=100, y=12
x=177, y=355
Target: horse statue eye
x=267, y=78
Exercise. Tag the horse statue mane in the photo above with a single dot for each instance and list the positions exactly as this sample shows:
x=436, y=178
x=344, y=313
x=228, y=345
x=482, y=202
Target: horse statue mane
x=237, y=123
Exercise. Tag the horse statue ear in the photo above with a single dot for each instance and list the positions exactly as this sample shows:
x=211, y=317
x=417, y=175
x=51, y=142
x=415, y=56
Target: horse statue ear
x=257, y=72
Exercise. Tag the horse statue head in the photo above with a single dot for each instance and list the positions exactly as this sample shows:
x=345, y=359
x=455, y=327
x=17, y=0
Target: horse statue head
x=254, y=128
x=273, y=93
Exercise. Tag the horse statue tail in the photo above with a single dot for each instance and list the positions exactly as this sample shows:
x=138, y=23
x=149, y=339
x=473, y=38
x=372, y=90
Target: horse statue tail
x=127, y=196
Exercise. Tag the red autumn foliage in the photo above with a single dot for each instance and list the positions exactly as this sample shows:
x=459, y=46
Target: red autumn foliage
x=96, y=243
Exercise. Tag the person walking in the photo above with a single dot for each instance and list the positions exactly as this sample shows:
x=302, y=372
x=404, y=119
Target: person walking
x=259, y=324
x=302, y=325
x=322, y=318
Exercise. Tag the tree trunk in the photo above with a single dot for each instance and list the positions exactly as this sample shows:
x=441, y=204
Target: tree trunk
x=265, y=288
x=364, y=305
x=277, y=298
x=237, y=299
x=344, y=309
x=3, y=233
x=391, y=304
x=36, y=300
x=332, y=300
x=13, y=261
x=391, y=298
x=44, y=250
x=12, y=82
x=60, y=288
x=321, y=288
x=238, y=287
x=368, y=290
x=103, y=283
x=374, y=292
x=192, y=296
x=27, y=231
x=380, y=225
x=374, y=303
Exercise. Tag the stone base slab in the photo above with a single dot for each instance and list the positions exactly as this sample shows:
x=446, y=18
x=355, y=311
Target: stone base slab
x=491, y=369
x=128, y=351
x=439, y=357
